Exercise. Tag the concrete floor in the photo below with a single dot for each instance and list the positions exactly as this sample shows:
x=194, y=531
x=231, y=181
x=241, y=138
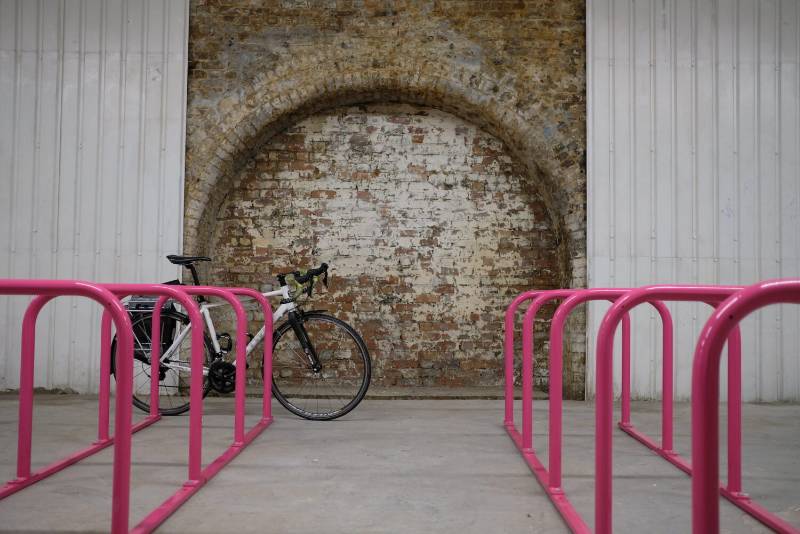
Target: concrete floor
x=392, y=466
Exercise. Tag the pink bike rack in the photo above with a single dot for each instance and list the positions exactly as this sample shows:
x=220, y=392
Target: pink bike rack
x=711, y=295
x=550, y=479
x=705, y=404
x=623, y=301
x=108, y=295
x=573, y=520
x=46, y=291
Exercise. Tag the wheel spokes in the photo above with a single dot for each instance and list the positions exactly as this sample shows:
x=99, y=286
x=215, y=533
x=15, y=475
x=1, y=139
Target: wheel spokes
x=173, y=387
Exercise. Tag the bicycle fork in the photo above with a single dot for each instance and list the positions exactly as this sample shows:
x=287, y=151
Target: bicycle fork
x=296, y=322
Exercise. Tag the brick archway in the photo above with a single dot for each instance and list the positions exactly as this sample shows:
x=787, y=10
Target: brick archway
x=292, y=91
x=332, y=77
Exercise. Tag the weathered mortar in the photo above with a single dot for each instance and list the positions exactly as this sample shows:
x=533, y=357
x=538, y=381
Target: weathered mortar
x=429, y=225
x=516, y=69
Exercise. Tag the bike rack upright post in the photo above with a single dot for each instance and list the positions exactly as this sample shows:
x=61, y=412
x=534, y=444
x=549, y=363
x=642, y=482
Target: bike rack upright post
x=46, y=291
x=528, y=321
x=705, y=404
x=559, y=500
x=711, y=295
x=266, y=405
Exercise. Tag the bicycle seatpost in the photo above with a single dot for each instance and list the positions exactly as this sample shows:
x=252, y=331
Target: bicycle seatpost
x=194, y=274
x=196, y=279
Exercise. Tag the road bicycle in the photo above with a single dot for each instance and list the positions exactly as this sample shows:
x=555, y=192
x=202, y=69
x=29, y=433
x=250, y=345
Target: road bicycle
x=321, y=367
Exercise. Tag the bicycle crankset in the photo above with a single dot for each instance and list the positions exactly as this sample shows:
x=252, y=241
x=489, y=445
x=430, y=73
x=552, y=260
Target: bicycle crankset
x=222, y=376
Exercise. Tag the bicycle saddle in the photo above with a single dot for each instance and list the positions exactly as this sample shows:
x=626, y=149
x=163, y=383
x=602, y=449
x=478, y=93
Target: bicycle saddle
x=186, y=260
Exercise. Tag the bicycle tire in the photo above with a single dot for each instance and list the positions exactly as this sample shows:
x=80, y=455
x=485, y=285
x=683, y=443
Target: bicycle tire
x=140, y=324
x=360, y=355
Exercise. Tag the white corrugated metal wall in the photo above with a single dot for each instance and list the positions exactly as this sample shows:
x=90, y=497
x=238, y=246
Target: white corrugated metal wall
x=694, y=170
x=91, y=162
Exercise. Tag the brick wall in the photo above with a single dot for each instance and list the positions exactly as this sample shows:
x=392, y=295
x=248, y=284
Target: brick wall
x=429, y=224
x=514, y=69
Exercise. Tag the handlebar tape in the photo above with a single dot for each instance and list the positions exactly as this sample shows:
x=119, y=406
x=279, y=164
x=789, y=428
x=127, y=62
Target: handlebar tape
x=302, y=278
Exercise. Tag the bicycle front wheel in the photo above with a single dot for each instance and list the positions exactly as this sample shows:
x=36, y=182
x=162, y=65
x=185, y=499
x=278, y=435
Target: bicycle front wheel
x=338, y=386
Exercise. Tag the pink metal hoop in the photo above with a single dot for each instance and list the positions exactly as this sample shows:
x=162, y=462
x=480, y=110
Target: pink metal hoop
x=198, y=475
x=508, y=355
x=705, y=404
x=605, y=394
x=550, y=480
x=165, y=292
x=47, y=290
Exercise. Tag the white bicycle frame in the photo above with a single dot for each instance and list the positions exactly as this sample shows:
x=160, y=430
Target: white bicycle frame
x=282, y=310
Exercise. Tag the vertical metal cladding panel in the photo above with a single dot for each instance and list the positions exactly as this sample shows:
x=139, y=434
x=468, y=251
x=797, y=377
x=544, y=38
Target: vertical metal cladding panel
x=694, y=171
x=91, y=162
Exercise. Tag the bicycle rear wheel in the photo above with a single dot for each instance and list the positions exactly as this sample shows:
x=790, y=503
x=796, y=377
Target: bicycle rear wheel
x=335, y=389
x=173, y=381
